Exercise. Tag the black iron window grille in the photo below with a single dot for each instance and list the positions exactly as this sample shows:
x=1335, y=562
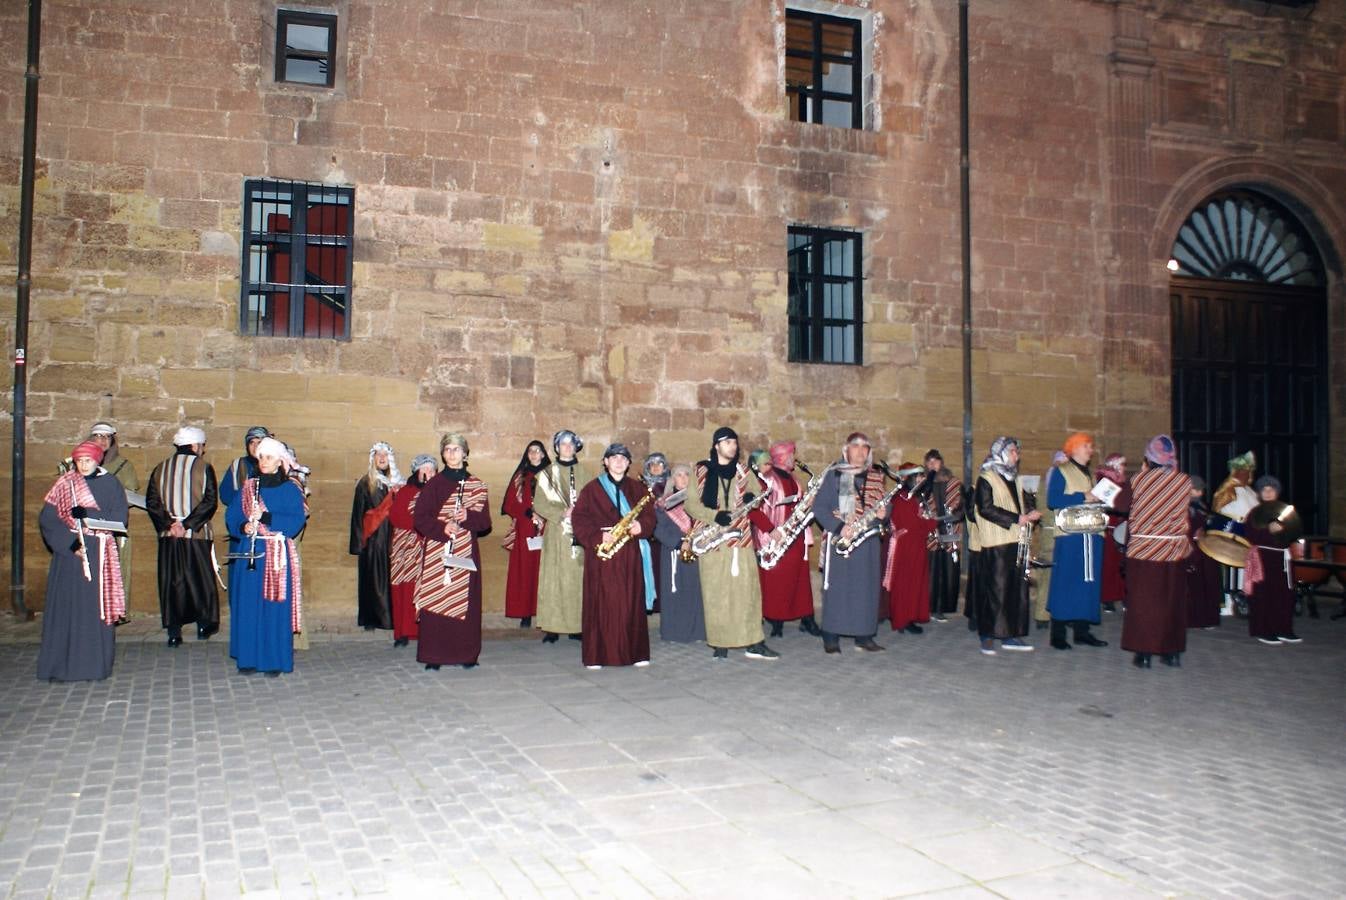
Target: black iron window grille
x=306, y=48
x=823, y=75
x=297, y=246
x=825, y=299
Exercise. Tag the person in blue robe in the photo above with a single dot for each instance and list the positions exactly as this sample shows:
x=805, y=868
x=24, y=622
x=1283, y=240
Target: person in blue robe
x=1075, y=595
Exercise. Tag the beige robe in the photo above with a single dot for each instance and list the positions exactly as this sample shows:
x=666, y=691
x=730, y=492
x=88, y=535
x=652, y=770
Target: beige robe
x=732, y=602
x=560, y=580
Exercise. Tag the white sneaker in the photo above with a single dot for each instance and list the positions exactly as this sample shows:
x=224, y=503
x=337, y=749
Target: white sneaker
x=1290, y=638
x=1015, y=644
x=642, y=664
x=593, y=667
x=1272, y=641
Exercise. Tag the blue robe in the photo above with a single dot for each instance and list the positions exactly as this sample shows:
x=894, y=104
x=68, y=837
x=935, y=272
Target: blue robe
x=261, y=635
x=1071, y=597
x=230, y=483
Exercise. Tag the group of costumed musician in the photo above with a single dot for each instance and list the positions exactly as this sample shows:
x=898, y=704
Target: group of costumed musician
x=181, y=497
x=618, y=574
x=372, y=536
x=1077, y=559
x=851, y=492
x=787, y=591
x=998, y=608
x=85, y=593
x=265, y=515
x=452, y=512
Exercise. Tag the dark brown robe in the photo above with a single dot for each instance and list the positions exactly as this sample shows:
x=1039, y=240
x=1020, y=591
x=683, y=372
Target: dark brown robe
x=615, y=632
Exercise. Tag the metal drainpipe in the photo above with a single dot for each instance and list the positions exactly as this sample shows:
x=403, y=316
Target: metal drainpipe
x=24, y=285
x=965, y=198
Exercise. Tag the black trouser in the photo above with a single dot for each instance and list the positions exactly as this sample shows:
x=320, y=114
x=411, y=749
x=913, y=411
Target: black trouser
x=834, y=639
x=1079, y=626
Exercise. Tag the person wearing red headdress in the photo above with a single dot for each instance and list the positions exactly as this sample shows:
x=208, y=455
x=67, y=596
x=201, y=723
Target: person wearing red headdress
x=787, y=591
x=85, y=595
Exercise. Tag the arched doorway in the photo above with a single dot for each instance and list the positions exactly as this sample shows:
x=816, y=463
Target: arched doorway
x=1249, y=320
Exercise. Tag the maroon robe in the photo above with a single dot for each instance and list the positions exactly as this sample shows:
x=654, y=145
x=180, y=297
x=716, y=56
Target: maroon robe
x=787, y=591
x=1157, y=550
x=1271, y=602
x=907, y=568
x=404, y=559
x=450, y=638
x=521, y=584
x=615, y=631
x=1113, y=589
x=1205, y=592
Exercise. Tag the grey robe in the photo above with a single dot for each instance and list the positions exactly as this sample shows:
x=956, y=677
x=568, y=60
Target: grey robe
x=851, y=584
x=76, y=645
x=681, y=617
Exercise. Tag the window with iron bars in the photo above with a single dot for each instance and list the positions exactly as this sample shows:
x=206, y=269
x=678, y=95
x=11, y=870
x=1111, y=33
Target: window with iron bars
x=298, y=240
x=826, y=309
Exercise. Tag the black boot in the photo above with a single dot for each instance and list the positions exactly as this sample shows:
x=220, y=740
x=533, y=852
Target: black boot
x=777, y=627
x=401, y=642
x=1173, y=660
x=1141, y=661
x=809, y=625
x=526, y=622
x=175, y=637
x=549, y=637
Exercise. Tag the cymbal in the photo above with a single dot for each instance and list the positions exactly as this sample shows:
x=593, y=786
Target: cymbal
x=1264, y=514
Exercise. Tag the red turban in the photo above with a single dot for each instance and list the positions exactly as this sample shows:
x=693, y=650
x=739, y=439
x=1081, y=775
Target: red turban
x=1076, y=441
x=781, y=451
x=89, y=449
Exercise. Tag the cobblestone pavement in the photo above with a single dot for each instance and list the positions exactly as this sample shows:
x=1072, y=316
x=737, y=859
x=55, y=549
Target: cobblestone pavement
x=928, y=769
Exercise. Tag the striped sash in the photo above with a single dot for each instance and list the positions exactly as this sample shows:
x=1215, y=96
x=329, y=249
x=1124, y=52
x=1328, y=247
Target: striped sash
x=441, y=590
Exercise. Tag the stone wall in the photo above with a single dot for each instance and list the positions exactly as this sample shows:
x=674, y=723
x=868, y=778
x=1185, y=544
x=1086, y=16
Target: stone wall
x=572, y=213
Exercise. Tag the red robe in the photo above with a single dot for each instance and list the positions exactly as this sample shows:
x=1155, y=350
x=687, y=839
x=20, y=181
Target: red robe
x=404, y=559
x=787, y=592
x=907, y=569
x=615, y=631
x=521, y=584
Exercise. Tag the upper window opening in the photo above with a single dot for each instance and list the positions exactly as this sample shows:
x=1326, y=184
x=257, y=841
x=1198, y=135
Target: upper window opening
x=297, y=247
x=306, y=48
x=1246, y=236
x=823, y=77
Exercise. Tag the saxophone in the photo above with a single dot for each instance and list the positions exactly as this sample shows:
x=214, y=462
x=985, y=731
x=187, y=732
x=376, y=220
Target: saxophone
x=708, y=537
x=865, y=527
x=620, y=533
x=791, y=528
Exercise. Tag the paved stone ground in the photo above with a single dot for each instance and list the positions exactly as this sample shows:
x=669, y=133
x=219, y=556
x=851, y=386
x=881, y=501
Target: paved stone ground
x=924, y=770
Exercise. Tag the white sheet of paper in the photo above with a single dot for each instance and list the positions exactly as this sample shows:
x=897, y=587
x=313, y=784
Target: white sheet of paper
x=104, y=525
x=535, y=542
x=459, y=562
x=1106, y=490
x=135, y=499
x=1030, y=483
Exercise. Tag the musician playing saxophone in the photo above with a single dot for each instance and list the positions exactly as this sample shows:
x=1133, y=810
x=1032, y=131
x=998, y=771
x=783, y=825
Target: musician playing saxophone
x=1077, y=559
x=620, y=589
x=1000, y=607
x=851, y=490
x=787, y=591
x=730, y=592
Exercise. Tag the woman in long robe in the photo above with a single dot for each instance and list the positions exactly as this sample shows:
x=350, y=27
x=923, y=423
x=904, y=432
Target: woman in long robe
x=617, y=591
x=268, y=606
x=79, y=610
x=1205, y=589
x=525, y=526
x=1113, y=591
x=406, y=551
x=787, y=587
x=1156, y=557
x=452, y=511
x=231, y=482
x=681, y=617
x=1271, y=598
x=371, y=537
x=906, y=574
x=560, y=583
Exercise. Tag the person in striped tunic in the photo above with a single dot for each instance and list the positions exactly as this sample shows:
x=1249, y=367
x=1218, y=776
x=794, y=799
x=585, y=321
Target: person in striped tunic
x=452, y=511
x=408, y=547
x=181, y=499
x=1156, y=557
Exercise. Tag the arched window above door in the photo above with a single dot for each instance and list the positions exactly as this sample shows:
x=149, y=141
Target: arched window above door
x=1246, y=236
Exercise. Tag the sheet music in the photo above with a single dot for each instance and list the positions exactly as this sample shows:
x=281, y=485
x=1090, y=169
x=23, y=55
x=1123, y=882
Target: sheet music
x=1106, y=490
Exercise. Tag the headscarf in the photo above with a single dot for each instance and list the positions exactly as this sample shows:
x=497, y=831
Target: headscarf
x=563, y=435
x=781, y=451
x=456, y=439
x=1162, y=452
x=87, y=449
x=1113, y=468
x=652, y=480
x=723, y=433
x=998, y=461
x=419, y=460
x=616, y=449
x=256, y=431
x=272, y=447
x=1243, y=462
x=1267, y=481
x=1198, y=483
x=522, y=471
x=857, y=439
x=103, y=428
x=393, y=478
x=1075, y=441
x=757, y=457
x=188, y=435
x=717, y=472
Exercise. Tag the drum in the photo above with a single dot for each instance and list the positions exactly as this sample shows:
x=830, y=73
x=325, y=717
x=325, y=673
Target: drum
x=1085, y=518
x=1226, y=548
x=1309, y=576
x=1218, y=522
